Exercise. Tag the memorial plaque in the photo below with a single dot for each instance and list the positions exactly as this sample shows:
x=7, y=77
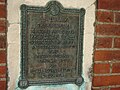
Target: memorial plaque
x=51, y=45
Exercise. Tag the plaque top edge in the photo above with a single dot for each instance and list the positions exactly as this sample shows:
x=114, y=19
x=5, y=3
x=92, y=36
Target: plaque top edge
x=52, y=5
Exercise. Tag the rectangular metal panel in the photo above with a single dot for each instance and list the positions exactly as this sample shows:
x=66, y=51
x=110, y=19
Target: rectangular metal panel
x=51, y=45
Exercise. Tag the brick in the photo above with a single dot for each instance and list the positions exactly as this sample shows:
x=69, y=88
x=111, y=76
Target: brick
x=105, y=89
x=2, y=0
x=116, y=68
x=108, y=29
x=117, y=43
x=2, y=70
x=106, y=80
x=95, y=89
x=2, y=41
x=2, y=23
x=103, y=16
x=101, y=68
x=100, y=88
x=2, y=28
x=3, y=57
x=2, y=11
x=103, y=43
x=109, y=4
x=117, y=17
x=3, y=85
x=117, y=88
x=104, y=55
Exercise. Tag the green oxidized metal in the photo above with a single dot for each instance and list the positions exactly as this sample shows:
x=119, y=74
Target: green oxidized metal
x=51, y=45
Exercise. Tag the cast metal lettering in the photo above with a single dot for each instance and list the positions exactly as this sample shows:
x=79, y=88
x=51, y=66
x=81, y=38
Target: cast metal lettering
x=51, y=45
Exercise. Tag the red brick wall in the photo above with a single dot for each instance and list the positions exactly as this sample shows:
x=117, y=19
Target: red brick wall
x=106, y=74
x=3, y=49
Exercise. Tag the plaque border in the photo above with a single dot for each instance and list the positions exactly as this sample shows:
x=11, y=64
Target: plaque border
x=23, y=82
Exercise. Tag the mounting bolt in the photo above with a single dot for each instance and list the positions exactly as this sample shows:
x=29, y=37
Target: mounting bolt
x=79, y=81
x=23, y=84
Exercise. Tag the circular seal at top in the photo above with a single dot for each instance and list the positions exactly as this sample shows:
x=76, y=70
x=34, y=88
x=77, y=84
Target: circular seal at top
x=54, y=10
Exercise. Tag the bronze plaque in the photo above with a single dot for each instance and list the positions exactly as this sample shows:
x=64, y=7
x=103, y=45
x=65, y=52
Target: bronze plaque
x=51, y=45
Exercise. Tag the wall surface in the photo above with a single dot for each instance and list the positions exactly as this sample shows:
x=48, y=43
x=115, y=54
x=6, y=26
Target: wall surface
x=13, y=36
x=107, y=46
x=106, y=52
x=3, y=45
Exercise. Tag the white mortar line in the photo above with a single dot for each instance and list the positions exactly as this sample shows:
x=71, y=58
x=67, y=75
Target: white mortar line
x=2, y=3
x=101, y=62
x=115, y=61
x=107, y=74
x=2, y=18
x=2, y=79
x=2, y=34
x=111, y=23
x=108, y=49
x=102, y=87
x=113, y=42
x=104, y=10
x=114, y=86
x=111, y=86
x=105, y=36
x=2, y=49
x=114, y=17
x=111, y=64
x=2, y=64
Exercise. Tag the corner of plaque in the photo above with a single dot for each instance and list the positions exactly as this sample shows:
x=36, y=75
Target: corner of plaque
x=82, y=11
x=79, y=81
x=23, y=7
x=23, y=84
